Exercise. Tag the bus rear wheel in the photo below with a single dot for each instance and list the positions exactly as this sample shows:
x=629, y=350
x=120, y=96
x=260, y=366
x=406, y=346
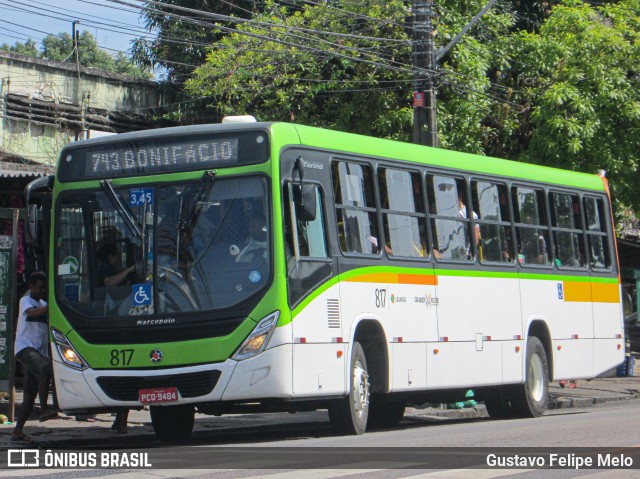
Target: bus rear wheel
x=173, y=424
x=530, y=399
x=349, y=415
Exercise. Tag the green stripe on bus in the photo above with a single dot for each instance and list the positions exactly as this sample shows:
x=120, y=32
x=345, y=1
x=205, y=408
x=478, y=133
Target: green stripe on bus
x=442, y=272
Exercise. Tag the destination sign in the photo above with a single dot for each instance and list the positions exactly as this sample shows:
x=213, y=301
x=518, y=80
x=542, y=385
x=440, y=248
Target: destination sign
x=154, y=155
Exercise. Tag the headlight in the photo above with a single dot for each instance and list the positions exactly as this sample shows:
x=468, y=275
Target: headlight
x=258, y=339
x=67, y=352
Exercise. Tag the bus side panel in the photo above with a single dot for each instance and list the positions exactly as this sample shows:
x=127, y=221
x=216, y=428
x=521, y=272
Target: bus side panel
x=318, y=368
x=608, y=353
x=409, y=366
x=567, y=313
x=512, y=361
x=607, y=310
x=477, y=312
x=608, y=326
x=573, y=358
x=459, y=364
x=411, y=321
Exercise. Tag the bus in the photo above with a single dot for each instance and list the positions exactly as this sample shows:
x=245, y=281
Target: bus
x=281, y=267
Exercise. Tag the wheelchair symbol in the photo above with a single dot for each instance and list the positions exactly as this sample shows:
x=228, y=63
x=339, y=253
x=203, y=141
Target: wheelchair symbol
x=142, y=294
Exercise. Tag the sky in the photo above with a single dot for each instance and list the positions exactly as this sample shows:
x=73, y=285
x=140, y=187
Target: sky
x=114, y=25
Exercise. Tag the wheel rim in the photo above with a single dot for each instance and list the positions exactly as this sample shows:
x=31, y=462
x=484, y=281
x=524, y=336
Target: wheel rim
x=360, y=389
x=536, y=378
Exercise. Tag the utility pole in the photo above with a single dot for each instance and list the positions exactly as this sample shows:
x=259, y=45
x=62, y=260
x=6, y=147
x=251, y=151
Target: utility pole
x=425, y=125
x=75, y=35
x=425, y=60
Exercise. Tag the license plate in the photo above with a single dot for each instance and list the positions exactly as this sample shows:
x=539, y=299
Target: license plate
x=158, y=395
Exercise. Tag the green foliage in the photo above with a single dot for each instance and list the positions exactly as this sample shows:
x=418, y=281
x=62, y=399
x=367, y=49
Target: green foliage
x=277, y=71
x=60, y=48
x=28, y=48
x=183, y=37
x=580, y=92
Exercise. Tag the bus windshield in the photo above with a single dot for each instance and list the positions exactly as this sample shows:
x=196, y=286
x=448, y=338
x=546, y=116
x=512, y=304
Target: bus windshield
x=162, y=249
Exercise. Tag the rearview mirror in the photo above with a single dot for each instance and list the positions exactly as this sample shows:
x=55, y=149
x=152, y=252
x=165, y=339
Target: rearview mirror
x=305, y=200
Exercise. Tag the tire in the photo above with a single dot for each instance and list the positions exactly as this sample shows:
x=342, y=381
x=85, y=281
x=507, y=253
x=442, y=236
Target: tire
x=349, y=415
x=173, y=424
x=497, y=402
x=530, y=399
x=385, y=413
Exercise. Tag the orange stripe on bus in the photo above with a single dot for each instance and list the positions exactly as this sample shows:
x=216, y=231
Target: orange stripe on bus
x=418, y=279
x=395, y=278
x=577, y=291
x=606, y=293
x=585, y=292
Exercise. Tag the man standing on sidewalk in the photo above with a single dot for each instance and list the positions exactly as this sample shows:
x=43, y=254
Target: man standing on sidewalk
x=31, y=347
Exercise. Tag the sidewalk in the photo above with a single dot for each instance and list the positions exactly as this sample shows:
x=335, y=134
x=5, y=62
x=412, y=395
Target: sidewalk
x=586, y=394
x=66, y=428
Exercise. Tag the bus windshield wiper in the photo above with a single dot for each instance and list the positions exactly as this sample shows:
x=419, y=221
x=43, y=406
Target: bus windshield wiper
x=188, y=207
x=125, y=213
x=188, y=211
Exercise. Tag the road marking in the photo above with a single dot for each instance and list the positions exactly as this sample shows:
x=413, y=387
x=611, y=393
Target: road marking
x=469, y=473
x=23, y=472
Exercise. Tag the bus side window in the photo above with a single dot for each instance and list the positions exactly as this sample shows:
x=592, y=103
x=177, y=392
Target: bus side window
x=356, y=211
x=490, y=201
x=402, y=213
x=531, y=226
x=597, y=239
x=568, y=236
x=450, y=218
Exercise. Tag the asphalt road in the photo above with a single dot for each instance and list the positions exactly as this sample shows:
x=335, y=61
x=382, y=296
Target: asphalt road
x=281, y=446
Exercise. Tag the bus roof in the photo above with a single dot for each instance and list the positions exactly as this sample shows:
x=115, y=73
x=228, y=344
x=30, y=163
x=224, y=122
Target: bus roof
x=350, y=143
x=377, y=147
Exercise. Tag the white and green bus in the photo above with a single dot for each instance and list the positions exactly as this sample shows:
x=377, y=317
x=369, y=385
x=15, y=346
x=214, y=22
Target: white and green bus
x=280, y=267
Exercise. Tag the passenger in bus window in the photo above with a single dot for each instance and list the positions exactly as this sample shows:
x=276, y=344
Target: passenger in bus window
x=506, y=251
x=533, y=245
x=462, y=213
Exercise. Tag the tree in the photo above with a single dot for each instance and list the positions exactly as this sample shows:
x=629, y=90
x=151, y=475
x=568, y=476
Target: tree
x=28, y=48
x=347, y=65
x=517, y=85
x=580, y=93
x=183, y=37
x=60, y=48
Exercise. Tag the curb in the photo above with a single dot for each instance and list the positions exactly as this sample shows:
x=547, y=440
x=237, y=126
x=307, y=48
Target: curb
x=555, y=403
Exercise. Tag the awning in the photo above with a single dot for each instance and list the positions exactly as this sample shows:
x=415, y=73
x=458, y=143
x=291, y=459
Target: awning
x=17, y=170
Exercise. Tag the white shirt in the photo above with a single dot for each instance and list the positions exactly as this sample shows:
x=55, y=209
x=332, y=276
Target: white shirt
x=32, y=332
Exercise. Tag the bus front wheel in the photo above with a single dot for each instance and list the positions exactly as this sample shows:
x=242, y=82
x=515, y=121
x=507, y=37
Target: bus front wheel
x=530, y=399
x=173, y=424
x=349, y=415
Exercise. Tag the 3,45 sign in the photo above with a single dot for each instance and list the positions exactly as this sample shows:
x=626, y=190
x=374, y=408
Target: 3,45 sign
x=140, y=196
